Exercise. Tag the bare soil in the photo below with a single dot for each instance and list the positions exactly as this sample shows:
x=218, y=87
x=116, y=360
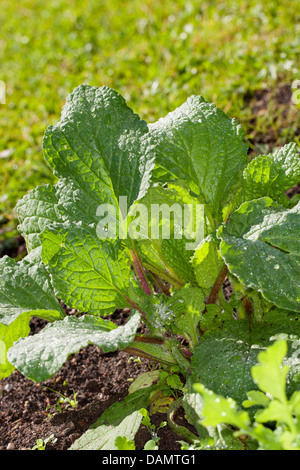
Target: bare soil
x=28, y=410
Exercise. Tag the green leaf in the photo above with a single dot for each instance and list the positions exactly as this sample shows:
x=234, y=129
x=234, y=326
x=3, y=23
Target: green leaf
x=101, y=145
x=168, y=222
x=88, y=274
x=276, y=411
x=268, y=440
x=260, y=245
x=122, y=443
x=256, y=398
x=40, y=356
x=193, y=405
x=144, y=380
x=217, y=409
x=36, y=211
x=104, y=437
x=26, y=291
x=25, y=286
x=151, y=445
x=223, y=359
x=187, y=305
x=8, y=335
x=52, y=205
x=121, y=419
x=269, y=375
x=207, y=263
x=272, y=175
x=174, y=382
x=198, y=143
x=95, y=150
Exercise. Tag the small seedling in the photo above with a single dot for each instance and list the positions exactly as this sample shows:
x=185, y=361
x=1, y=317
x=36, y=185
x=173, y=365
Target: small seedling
x=41, y=444
x=152, y=444
x=63, y=400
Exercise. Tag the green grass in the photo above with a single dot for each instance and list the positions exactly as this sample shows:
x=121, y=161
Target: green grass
x=155, y=54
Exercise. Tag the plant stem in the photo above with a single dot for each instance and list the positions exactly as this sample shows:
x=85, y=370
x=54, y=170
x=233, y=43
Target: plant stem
x=136, y=307
x=182, y=361
x=164, y=275
x=182, y=431
x=140, y=271
x=165, y=263
x=162, y=287
x=149, y=339
x=147, y=355
x=248, y=306
x=210, y=218
x=217, y=285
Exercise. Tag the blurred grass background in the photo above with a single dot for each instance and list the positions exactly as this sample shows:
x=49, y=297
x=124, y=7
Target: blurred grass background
x=155, y=54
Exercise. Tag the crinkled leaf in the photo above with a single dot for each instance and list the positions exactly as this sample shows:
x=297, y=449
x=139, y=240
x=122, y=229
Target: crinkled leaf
x=207, y=263
x=36, y=211
x=26, y=286
x=269, y=375
x=88, y=274
x=8, y=335
x=120, y=419
x=100, y=150
x=187, y=305
x=168, y=222
x=223, y=358
x=198, y=143
x=261, y=246
x=16, y=329
x=40, y=356
x=176, y=255
x=26, y=291
x=104, y=437
x=101, y=145
x=217, y=409
x=52, y=205
x=271, y=175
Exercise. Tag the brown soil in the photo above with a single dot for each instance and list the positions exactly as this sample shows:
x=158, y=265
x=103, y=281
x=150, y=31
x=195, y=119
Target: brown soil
x=28, y=410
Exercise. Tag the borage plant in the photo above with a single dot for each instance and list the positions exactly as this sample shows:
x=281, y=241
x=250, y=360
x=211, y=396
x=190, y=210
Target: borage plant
x=155, y=218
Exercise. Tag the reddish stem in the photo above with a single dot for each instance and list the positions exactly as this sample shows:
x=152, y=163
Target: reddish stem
x=148, y=339
x=163, y=288
x=248, y=306
x=140, y=272
x=217, y=286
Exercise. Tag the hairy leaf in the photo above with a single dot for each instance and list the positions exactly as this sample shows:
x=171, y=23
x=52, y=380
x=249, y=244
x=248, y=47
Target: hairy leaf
x=271, y=175
x=36, y=211
x=207, y=263
x=40, y=356
x=88, y=274
x=198, y=143
x=121, y=419
x=261, y=246
x=26, y=287
x=18, y=328
x=168, y=223
x=223, y=358
x=101, y=145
